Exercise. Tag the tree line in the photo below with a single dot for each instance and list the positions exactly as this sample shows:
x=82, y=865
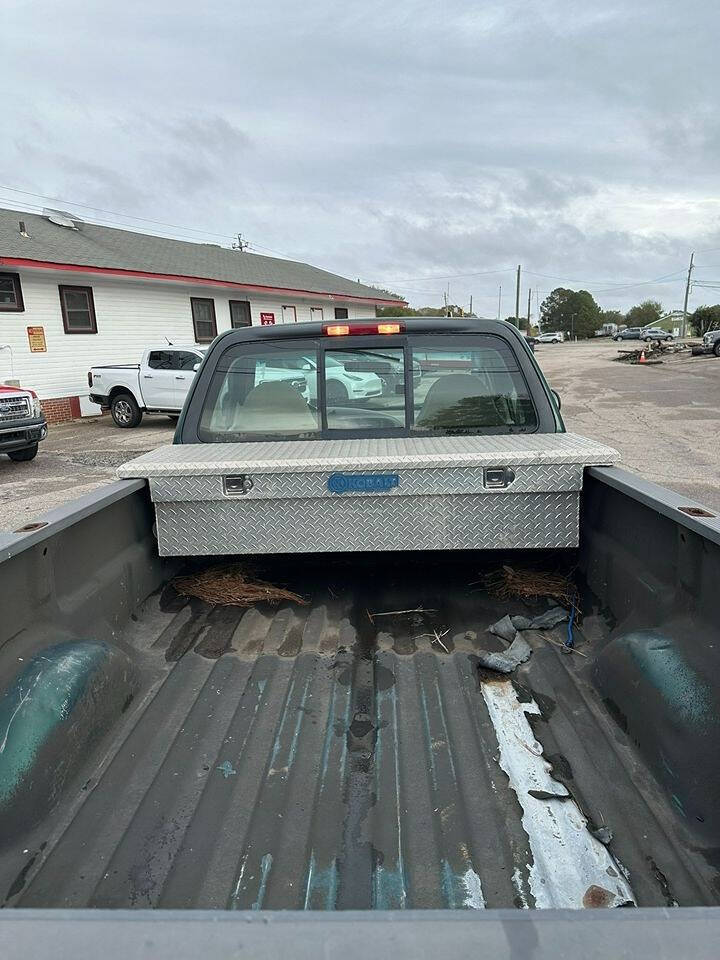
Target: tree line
x=577, y=313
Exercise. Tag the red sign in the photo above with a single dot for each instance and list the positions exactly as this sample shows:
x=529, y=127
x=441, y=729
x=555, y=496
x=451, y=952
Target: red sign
x=36, y=339
x=267, y=319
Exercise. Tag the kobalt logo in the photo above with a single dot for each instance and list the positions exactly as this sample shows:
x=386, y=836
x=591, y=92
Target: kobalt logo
x=362, y=483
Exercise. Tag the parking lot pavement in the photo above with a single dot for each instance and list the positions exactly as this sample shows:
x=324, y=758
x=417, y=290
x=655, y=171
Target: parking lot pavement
x=664, y=420
x=73, y=460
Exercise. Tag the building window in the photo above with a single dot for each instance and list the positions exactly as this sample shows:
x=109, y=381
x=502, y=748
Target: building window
x=240, y=314
x=289, y=314
x=78, y=309
x=11, y=300
x=341, y=313
x=203, y=315
x=316, y=313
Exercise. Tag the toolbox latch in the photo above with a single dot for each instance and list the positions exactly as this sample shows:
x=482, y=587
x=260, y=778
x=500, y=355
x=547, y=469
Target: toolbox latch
x=237, y=486
x=498, y=476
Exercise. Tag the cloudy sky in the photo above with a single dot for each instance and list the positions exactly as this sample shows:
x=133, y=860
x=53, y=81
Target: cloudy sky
x=410, y=144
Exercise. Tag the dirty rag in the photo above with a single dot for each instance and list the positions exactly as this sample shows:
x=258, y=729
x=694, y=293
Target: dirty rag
x=518, y=652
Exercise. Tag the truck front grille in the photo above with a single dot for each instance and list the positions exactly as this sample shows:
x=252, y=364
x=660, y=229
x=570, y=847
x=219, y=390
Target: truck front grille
x=14, y=408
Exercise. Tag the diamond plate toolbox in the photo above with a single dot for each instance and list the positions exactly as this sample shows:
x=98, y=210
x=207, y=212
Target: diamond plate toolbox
x=361, y=495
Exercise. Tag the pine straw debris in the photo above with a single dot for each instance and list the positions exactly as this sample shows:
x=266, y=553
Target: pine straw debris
x=509, y=583
x=232, y=585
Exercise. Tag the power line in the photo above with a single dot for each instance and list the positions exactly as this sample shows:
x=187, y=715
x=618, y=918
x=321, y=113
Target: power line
x=99, y=221
x=113, y=213
x=130, y=216
x=450, y=276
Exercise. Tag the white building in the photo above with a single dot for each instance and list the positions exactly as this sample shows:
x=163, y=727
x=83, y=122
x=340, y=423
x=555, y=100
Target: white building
x=75, y=296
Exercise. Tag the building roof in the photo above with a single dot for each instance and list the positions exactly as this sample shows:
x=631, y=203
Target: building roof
x=109, y=250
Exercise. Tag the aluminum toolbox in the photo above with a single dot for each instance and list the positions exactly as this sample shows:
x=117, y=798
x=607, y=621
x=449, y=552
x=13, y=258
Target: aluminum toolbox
x=314, y=496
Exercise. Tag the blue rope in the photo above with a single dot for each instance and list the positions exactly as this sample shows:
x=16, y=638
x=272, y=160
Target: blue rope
x=570, y=641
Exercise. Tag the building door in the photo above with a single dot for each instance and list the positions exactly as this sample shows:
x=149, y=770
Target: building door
x=240, y=314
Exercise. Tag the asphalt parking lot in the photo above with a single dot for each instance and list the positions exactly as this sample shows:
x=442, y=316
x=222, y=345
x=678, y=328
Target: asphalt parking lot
x=664, y=419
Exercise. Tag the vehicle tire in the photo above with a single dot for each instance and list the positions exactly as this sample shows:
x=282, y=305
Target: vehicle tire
x=335, y=392
x=125, y=411
x=174, y=417
x=29, y=453
x=716, y=348
x=617, y=339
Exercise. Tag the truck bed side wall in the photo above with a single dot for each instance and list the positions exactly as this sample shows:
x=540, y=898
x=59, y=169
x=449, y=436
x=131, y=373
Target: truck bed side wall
x=644, y=558
x=81, y=575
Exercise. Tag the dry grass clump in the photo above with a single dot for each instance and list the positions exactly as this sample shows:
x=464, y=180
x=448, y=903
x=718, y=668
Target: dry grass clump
x=233, y=586
x=508, y=583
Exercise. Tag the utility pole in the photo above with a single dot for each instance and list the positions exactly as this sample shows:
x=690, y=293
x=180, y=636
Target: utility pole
x=528, y=316
x=517, y=297
x=240, y=245
x=687, y=295
x=471, y=313
x=499, y=300
x=572, y=326
x=445, y=300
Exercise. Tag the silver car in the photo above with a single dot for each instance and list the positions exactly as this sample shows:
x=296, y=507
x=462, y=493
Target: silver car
x=655, y=333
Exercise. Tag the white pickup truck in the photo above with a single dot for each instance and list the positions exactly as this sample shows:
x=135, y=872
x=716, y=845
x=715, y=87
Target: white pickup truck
x=158, y=384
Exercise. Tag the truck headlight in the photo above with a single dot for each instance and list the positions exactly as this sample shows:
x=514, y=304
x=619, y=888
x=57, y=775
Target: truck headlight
x=36, y=408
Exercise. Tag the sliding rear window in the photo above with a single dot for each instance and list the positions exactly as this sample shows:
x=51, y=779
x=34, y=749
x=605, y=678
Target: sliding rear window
x=400, y=386
x=263, y=390
x=472, y=385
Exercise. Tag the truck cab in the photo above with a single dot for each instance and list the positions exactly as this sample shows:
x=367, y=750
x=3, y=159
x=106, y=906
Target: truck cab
x=22, y=423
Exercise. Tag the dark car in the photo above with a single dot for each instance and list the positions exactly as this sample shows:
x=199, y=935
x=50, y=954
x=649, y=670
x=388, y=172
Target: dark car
x=629, y=333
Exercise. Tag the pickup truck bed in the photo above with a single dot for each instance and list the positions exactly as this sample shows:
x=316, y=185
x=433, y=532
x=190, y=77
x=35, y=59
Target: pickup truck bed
x=306, y=757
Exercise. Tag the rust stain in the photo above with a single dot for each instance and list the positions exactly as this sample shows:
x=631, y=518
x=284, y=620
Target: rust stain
x=598, y=897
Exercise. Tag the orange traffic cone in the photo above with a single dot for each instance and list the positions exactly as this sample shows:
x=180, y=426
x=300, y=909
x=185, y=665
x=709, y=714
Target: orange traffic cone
x=641, y=358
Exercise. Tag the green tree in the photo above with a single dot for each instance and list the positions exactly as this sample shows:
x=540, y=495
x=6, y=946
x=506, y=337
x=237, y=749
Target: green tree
x=572, y=311
x=396, y=312
x=705, y=318
x=645, y=314
x=452, y=310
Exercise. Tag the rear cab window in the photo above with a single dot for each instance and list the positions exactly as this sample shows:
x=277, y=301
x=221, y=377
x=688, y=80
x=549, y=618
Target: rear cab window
x=408, y=385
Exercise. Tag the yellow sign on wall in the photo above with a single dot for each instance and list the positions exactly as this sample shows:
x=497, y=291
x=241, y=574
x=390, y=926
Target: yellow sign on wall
x=36, y=339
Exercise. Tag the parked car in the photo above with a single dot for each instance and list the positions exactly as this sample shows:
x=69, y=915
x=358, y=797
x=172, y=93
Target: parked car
x=557, y=336
x=22, y=423
x=158, y=384
x=302, y=372
x=656, y=333
x=711, y=342
x=390, y=370
x=629, y=333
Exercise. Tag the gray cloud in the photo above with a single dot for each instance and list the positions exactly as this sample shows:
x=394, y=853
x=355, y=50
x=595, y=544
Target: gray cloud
x=386, y=141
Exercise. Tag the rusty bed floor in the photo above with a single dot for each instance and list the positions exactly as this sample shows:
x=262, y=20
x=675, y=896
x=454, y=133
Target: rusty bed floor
x=310, y=758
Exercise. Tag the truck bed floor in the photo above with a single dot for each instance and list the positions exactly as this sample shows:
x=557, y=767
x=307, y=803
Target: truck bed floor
x=324, y=757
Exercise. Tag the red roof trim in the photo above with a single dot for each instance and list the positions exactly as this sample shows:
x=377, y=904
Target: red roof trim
x=203, y=281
